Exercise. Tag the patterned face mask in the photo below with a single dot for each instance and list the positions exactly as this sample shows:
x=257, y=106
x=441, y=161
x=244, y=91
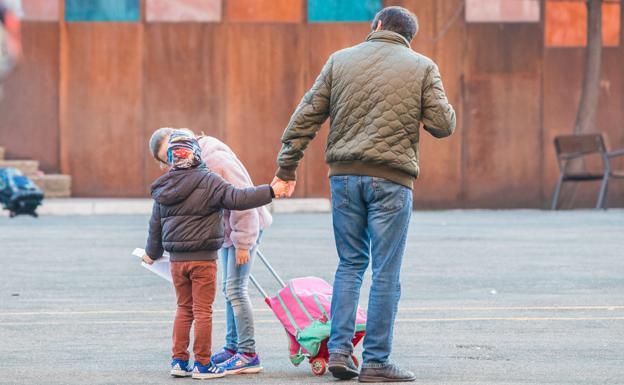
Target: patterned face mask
x=184, y=151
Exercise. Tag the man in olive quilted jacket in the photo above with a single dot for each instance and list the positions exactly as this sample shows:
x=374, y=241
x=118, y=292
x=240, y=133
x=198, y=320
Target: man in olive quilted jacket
x=377, y=94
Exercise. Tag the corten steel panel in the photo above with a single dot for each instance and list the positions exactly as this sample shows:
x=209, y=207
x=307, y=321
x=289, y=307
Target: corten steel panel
x=102, y=144
x=291, y=11
x=562, y=90
x=439, y=184
x=184, y=87
x=323, y=40
x=503, y=48
x=263, y=83
x=502, y=141
x=566, y=23
x=29, y=127
x=41, y=10
x=441, y=37
x=183, y=10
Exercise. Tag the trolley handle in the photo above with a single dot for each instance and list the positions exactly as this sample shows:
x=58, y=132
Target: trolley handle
x=273, y=273
x=270, y=268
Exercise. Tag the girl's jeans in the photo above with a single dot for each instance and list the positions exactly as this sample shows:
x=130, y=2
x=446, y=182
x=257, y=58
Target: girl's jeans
x=239, y=335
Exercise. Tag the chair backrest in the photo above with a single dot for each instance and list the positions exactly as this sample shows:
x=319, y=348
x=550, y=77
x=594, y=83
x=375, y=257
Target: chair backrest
x=574, y=146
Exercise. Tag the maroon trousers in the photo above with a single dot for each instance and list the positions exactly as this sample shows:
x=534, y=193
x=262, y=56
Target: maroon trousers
x=195, y=286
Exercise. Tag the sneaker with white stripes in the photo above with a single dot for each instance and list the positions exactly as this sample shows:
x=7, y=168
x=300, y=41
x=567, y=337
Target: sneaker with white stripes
x=180, y=368
x=207, y=372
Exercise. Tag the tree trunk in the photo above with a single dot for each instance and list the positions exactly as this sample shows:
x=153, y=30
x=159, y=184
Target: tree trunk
x=586, y=113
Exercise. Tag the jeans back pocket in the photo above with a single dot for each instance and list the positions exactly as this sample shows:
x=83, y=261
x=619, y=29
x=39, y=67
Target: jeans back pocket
x=389, y=196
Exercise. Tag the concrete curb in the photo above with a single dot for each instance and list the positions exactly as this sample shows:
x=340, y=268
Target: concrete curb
x=139, y=206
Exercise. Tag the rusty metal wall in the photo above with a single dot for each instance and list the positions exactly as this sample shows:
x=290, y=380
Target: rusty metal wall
x=89, y=95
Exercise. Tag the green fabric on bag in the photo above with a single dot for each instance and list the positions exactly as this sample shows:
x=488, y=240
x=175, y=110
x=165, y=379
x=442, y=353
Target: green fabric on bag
x=297, y=358
x=310, y=337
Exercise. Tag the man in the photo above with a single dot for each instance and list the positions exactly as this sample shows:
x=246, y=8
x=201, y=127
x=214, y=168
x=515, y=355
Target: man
x=377, y=94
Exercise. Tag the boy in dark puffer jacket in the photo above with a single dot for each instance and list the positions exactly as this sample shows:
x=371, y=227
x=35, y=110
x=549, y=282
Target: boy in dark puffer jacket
x=187, y=221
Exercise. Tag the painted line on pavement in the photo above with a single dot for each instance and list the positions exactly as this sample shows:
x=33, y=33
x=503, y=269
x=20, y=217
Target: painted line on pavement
x=401, y=309
x=400, y=320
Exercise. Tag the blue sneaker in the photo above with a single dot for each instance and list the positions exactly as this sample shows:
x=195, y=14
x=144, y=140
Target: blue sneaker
x=180, y=368
x=241, y=363
x=206, y=372
x=222, y=356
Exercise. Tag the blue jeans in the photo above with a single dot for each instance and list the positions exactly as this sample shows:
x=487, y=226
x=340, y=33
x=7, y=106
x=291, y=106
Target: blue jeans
x=239, y=335
x=371, y=217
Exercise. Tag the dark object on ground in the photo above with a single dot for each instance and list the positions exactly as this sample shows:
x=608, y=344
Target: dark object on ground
x=18, y=194
x=571, y=148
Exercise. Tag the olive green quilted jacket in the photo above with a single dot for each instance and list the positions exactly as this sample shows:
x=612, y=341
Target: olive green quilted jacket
x=376, y=94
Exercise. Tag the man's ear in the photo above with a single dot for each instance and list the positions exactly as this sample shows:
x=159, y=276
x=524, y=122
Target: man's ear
x=378, y=26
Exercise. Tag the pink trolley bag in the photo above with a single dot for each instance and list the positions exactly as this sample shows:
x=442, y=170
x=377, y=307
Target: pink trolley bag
x=303, y=307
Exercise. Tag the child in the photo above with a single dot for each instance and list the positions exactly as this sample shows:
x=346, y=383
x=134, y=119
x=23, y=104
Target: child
x=187, y=222
x=243, y=231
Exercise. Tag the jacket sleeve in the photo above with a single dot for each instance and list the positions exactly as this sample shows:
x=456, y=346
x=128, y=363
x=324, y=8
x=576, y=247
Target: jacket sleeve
x=438, y=116
x=245, y=224
x=304, y=124
x=223, y=195
x=154, y=248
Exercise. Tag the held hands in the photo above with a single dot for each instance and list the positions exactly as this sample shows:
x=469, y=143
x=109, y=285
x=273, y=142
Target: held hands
x=242, y=256
x=282, y=188
x=147, y=259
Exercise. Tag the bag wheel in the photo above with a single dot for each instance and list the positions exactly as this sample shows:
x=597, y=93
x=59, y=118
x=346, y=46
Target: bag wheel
x=319, y=366
x=355, y=360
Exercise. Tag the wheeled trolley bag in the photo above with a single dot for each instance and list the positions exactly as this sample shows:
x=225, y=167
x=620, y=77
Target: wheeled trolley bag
x=18, y=194
x=303, y=306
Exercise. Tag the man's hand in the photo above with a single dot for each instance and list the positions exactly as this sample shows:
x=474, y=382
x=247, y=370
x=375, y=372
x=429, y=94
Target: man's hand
x=282, y=188
x=146, y=258
x=242, y=256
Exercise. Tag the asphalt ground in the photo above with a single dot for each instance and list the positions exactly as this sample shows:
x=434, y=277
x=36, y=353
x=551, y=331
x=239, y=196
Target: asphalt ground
x=489, y=297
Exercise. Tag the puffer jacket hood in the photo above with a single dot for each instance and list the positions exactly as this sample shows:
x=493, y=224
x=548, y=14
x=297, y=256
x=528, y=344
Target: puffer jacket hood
x=170, y=189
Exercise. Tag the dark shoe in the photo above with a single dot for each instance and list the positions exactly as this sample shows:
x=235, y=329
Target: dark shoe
x=389, y=373
x=342, y=366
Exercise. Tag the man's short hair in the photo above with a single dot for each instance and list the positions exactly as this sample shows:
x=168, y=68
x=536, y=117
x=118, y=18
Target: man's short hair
x=397, y=19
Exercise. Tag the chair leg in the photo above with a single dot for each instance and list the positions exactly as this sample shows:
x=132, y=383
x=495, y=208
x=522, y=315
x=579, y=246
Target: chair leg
x=555, y=198
x=602, y=195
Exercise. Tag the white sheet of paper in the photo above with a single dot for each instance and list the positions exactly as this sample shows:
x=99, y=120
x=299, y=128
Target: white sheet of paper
x=160, y=267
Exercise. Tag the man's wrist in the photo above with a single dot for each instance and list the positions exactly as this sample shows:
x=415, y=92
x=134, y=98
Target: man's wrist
x=286, y=174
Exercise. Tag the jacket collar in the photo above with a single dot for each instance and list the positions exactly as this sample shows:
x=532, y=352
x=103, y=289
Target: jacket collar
x=388, y=37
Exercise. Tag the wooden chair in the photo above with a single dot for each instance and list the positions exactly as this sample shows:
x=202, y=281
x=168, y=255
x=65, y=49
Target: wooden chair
x=575, y=147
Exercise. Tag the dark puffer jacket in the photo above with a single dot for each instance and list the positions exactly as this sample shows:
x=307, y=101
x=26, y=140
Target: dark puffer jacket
x=187, y=218
x=376, y=94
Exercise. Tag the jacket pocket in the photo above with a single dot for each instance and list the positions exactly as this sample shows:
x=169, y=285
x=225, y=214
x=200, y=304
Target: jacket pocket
x=389, y=196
